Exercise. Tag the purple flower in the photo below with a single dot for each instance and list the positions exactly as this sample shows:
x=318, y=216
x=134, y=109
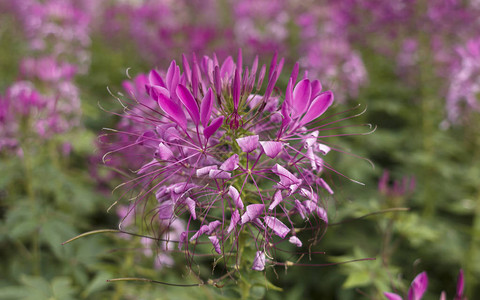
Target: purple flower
x=228, y=167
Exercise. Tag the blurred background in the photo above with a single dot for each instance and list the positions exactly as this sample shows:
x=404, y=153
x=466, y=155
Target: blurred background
x=410, y=68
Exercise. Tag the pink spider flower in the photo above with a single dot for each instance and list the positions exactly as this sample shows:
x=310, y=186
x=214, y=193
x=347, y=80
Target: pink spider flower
x=233, y=162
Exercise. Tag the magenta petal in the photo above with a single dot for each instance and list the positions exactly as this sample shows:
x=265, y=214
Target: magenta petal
x=172, y=110
x=227, y=67
x=215, y=243
x=301, y=97
x=233, y=221
x=295, y=240
x=173, y=76
x=203, y=229
x=235, y=195
x=392, y=296
x=230, y=164
x=253, y=211
x=163, y=152
x=460, y=286
x=277, y=226
x=210, y=130
x=287, y=104
x=248, y=143
x=236, y=89
x=301, y=209
x=277, y=198
x=155, y=79
x=206, y=229
x=319, y=105
x=165, y=210
x=212, y=226
x=316, y=88
x=206, y=170
x=259, y=261
x=272, y=149
x=187, y=99
x=219, y=174
x=287, y=179
x=191, y=207
x=186, y=68
x=418, y=287
x=325, y=185
x=182, y=240
x=206, y=107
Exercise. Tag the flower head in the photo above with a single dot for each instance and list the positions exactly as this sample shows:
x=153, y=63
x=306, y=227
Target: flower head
x=231, y=161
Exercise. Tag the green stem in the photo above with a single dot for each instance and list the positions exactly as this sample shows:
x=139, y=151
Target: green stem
x=28, y=180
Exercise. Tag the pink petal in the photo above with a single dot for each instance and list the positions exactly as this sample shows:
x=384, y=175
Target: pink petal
x=294, y=74
x=319, y=105
x=206, y=229
x=309, y=194
x=182, y=240
x=287, y=179
x=324, y=149
x=316, y=88
x=173, y=76
x=460, y=285
x=186, y=68
x=155, y=79
x=210, y=130
x=230, y=164
x=296, y=241
x=443, y=296
x=248, y=143
x=277, y=199
x=235, y=195
x=325, y=185
x=165, y=210
x=301, y=97
x=392, y=296
x=301, y=209
x=215, y=243
x=277, y=226
x=272, y=149
x=418, y=287
x=253, y=211
x=227, y=67
x=206, y=107
x=187, y=99
x=172, y=110
x=233, y=221
x=236, y=89
x=219, y=174
x=164, y=152
x=206, y=170
x=259, y=261
x=191, y=207
x=148, y=139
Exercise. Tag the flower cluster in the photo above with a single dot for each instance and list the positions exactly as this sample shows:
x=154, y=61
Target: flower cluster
x=234, y=163
x=45, y=99
x=182, y=26
x=423, y=33
x=258, y=27
x=56, y=27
